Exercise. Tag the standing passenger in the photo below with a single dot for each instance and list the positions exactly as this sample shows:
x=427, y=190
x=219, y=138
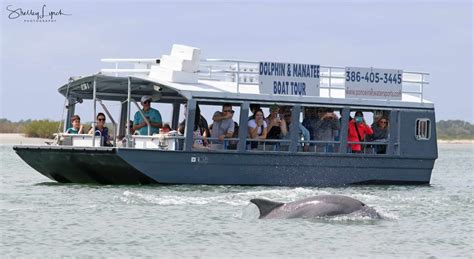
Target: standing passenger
x=153, y=116
x=223, y=125
x=380, y=129
x=325, y=130
x=358, y=129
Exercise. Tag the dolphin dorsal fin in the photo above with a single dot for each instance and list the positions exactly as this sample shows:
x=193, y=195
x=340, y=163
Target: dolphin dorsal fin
x=266, y=206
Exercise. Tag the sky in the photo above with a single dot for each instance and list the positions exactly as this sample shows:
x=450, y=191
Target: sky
x=429, y=36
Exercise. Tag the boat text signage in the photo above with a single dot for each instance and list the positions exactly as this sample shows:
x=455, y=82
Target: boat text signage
x=288, y=79
x=373, y=83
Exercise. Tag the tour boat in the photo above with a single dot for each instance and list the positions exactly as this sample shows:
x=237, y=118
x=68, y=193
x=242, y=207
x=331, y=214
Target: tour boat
x=183, y=80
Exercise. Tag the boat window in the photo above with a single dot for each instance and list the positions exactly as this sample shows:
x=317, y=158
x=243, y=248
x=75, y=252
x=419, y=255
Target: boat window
x=368, y=131
x=205, y=140
x=422, y=131
x=323, y=126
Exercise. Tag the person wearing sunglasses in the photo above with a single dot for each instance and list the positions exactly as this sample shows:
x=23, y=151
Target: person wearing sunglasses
x=223, y=125
x=101, y=130
x=380, y=128
x=153, y=116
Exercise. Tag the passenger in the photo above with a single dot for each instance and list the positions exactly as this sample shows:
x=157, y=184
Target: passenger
x=380, y=129
x=358, y=129
x=254, y=107
x=200, y=131
x=277, y=128
x=257, y=128
x=223, y=126
x=123, y=138
x=101, y=130
x=233, y=143
x=326, y=129
x=153, y=116
x=165, y=129
x=76, y=128
x=309, y=121
x=302, y=131
x=202, y=121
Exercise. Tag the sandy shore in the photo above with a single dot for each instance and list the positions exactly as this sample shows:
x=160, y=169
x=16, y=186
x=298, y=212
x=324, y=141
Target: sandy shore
x=456, y=141
x=16, y=139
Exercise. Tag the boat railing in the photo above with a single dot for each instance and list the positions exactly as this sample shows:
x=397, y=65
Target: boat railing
x=175, y=142
x=332, y=78
x=129, y=66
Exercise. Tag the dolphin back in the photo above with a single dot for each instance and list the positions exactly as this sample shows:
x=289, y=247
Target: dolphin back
x=266, y=206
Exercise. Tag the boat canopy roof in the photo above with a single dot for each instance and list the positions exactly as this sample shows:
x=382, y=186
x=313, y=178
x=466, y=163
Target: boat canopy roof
x=115, y=88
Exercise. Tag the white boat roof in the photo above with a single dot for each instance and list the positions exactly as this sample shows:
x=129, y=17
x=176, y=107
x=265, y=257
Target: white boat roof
x=115, y=88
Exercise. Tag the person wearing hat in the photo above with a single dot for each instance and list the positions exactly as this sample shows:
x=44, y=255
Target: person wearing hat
x=153, y=116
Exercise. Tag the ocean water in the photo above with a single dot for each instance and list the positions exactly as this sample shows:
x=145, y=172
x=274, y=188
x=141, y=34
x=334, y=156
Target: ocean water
x=40, y=218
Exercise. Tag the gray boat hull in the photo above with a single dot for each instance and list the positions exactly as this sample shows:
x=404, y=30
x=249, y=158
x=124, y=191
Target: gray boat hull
x=144, y=166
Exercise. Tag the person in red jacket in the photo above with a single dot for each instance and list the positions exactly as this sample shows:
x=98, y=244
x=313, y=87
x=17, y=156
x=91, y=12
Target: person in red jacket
x=358, y=129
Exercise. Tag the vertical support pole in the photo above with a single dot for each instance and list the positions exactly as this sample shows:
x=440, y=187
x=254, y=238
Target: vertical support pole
x=294, y=128
x=330, y=82
x=71, y=108
x=345, y=114
x=393, y=131
x=123, y=122
x=238, y=77
x=421, y=86
x=129, y=94
x=175, y=118
x=94, y=98
x=243, y=125
x=189, y=129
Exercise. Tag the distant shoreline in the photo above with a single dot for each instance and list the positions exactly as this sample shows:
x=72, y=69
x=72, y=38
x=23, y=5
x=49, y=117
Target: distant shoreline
x=16, y=139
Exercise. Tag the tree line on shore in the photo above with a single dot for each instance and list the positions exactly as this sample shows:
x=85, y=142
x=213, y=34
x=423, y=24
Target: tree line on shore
x=446, y=129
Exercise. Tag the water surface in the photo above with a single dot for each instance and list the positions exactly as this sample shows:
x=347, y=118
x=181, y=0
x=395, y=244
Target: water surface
x=42, y=218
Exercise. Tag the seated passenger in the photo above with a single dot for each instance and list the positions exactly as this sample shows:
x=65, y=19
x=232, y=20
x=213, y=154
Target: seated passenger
x=257, y=128
x=153, y=116
x=276, y=125
x=326, y=129
x=223, y=125
x=358, y=130
x=101, y=130
x=302, y=131
x=200, y=131
x=380, y=129
x=202, y=121
x=254, y=107
x=165, y=129
x=76, y=128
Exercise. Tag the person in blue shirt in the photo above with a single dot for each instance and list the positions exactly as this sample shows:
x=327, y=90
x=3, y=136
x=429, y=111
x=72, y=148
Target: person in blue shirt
x=153, y=116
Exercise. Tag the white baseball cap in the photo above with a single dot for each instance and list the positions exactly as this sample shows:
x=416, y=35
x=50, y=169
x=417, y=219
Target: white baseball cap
x=145, y=98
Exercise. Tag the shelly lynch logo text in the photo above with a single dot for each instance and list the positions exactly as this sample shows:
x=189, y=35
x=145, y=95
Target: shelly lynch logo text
x=31, y=15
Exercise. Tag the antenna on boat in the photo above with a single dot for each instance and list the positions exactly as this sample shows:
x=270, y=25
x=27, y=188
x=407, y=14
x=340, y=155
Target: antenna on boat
x=65, y=107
